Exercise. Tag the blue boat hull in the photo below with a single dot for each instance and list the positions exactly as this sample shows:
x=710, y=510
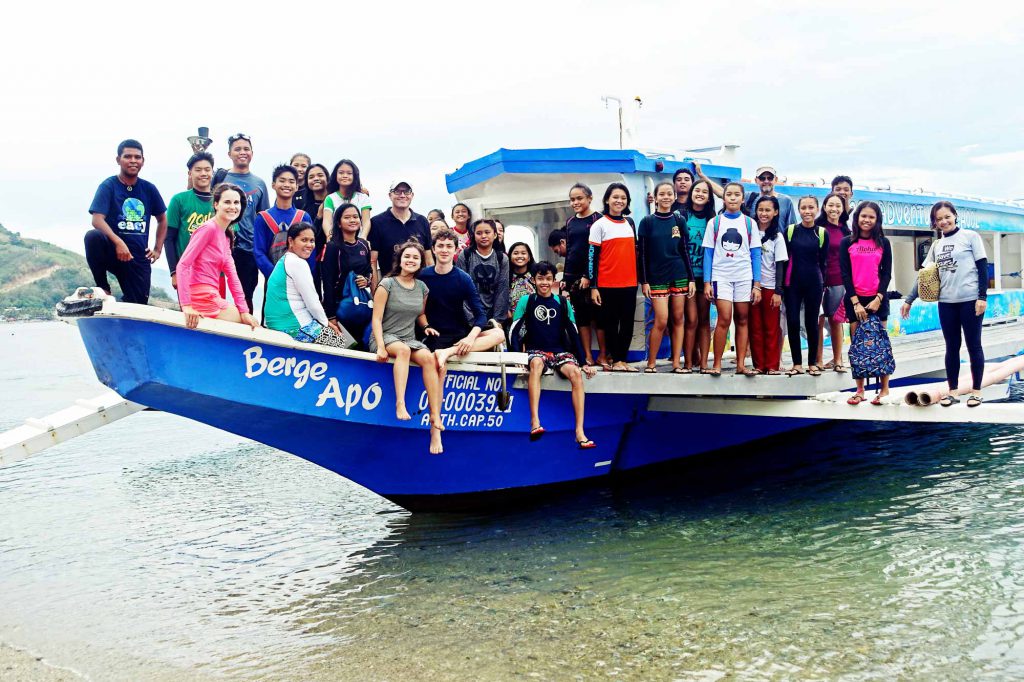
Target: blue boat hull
x=338, y=412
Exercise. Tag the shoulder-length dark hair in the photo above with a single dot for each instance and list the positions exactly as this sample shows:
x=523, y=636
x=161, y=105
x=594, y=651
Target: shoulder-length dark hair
x=396, y=264
x=935, y=209
x=530, y=264
x=709, y=210
x=608, y=195
x=472, y=232
x=336, y=236
x=773, y=226
x=332, y=180
x=822, y=219
x=877, y=235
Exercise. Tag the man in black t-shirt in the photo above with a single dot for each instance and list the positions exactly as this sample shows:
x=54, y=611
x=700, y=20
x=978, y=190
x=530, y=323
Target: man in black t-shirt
x=395, y=226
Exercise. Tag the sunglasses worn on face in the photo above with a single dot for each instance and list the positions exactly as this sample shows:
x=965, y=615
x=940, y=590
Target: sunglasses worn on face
x=765, y=177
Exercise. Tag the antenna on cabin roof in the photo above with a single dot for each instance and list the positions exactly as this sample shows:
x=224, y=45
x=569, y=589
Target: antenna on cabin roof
x=627, y=120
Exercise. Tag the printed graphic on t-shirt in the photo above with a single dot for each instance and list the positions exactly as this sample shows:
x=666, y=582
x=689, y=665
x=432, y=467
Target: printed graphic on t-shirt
x=731, y=242
x=545, y=314
x=944, y=259
x=134, y=213
x=486, y=277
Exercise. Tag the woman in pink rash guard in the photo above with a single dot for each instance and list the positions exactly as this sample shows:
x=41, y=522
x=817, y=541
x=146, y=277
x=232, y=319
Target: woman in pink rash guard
x=207, y=256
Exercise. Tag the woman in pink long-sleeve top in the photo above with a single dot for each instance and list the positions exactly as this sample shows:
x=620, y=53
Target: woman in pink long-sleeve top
x=207, y=256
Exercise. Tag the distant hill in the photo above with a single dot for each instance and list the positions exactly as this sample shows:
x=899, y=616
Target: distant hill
x=34, y=275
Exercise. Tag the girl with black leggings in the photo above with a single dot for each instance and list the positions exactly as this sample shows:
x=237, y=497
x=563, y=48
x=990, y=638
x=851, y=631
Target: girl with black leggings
x=963, y=292
x=612, y=270
x=807, y=245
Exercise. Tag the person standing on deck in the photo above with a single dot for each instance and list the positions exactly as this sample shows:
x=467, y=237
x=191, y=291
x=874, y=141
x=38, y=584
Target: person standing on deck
x=189, y=209
x=963, y=296
x=300, y=162
x=765, y=331
x=807, y=246
x=395, y=226
x=698, y=212
x=118, y=242
x=575, y=281
x=842, y=186
x=832, y=219
x=346, y=187
x=257, y=199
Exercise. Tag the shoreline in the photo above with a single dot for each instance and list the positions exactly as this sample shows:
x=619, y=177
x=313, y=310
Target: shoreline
x=20, y=665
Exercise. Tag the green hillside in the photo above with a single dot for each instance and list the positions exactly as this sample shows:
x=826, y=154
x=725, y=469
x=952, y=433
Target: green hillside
x=34, y=275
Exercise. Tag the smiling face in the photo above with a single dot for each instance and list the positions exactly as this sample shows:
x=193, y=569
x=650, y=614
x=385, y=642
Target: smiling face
x=765, y=213
x=285, y=186
x=436, y=227
x=701, y=195
x=867, y=219
x=300, y=164
x=444, y=251
x=483, y=235
x=410, y=261
x=130, y=161
x=845, y=190
x=733, y=198
x=617, y=202
x=543, y=283
x=945, y=220
x=683, y=182
x=302, y=245
x=316, y=180
x=241, y=155
x=344, y=178
x=579, y=201
x=766, y=181
x=519, y=257
x=201, y=175
x=460, y=214
x=229, y=207
x=834, y=209
x=665, y=196
x=401, y=197
x=351, y=221
x=808, y=209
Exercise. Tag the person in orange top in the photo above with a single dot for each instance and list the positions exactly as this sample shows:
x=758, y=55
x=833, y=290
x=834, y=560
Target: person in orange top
x=612, y=270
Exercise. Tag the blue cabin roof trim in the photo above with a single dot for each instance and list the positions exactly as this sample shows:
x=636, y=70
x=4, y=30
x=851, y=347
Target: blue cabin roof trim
x=570, y=160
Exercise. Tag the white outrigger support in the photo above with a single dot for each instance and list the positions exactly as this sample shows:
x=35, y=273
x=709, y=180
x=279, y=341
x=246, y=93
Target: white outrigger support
x=85, y=415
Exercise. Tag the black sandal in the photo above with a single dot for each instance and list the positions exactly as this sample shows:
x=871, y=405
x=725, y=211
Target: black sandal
x=974, y=401
x=948, y=400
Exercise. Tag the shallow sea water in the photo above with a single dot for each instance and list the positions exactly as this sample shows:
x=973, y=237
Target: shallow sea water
x=157, y=548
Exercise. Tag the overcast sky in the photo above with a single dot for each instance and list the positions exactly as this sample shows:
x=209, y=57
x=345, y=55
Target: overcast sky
x=912, y=94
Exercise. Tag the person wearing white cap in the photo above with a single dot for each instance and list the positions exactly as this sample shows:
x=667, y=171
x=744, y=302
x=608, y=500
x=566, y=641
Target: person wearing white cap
x=395, y=226
x=765, y=178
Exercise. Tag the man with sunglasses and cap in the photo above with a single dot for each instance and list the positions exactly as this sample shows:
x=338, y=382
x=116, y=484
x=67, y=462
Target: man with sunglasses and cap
x=257, y=199
x=395, y=226
x=765, y=178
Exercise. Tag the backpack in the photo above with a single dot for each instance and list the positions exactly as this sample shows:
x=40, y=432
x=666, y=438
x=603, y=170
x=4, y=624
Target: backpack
x=746, y=219
x=356, y=306
x=280, y=243
x=818, y=232
x=870, y=350
x=218, y=177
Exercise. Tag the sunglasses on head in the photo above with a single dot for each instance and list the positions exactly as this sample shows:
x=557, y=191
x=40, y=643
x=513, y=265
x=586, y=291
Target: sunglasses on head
x=239, y=136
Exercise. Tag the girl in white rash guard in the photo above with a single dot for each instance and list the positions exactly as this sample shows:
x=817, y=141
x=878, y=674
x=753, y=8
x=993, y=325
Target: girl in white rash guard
x=732, y=274
x=293, y=306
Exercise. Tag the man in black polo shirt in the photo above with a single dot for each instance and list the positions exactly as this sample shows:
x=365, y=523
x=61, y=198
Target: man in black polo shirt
x=394, y=227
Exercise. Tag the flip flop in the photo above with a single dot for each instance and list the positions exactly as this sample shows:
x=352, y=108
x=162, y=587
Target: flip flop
x=746, y=373
x=814, y=371
x=829, y=365
x=682, y=370
x=877, y=400
x=714, y=372
x=605, y=367
x=855, y=399
x=650, y=370
x=586, y=444
x=839, y=368
x=794, y=372
x=536, y=433
x=773, y=372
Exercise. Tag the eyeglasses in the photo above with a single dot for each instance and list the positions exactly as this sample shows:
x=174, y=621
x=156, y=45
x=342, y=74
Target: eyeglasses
x=239, y=136
x=766, y=176
x=402, y=192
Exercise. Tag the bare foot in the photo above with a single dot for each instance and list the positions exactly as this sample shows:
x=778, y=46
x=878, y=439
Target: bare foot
x=436, y=448
x=442, y=357
x=437, y=423
x=401, y=412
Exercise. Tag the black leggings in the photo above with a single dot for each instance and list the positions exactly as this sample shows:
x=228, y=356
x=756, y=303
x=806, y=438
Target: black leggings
x=132, y=275
x=618, y=308
x=952, y=318
x=809, y=296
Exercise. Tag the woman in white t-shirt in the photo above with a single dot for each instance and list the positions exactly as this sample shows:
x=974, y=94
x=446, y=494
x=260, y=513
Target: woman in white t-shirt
x=732, y=274
x=345, y=187
x=765, y=327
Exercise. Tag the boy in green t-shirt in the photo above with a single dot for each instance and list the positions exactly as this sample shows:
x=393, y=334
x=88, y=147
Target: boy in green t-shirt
x=188, y=210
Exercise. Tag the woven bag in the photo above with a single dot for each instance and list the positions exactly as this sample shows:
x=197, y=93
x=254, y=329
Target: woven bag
x=928, y=283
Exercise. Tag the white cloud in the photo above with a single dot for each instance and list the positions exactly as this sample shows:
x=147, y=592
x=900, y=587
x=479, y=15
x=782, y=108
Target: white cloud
x=1001, y=159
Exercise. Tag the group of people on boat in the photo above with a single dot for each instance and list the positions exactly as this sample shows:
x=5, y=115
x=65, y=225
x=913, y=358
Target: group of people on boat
x=440, y=290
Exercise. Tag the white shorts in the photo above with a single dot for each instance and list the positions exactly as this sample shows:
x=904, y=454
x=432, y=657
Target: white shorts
x=737, y=292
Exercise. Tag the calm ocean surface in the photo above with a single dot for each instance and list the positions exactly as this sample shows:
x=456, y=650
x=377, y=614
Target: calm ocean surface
x=157, y=548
